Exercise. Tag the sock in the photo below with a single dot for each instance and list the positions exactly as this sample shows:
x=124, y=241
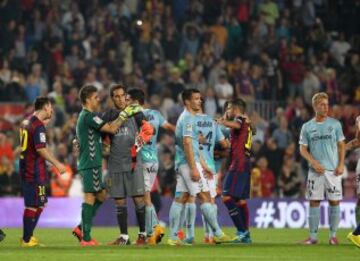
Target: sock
x=182, y=218
x=244, y=212
x=314, y=219
x=356, y=232
x=206, y=227
x=174, y=217
x=209, y=215
x=96, y=206
x=38, y=214
x=140, y=215
x=148, y=220
x=121, y=214
x=357, y=215
x=86, y=215
x=215, y=209
x=334, y=219
x=235, y=215
x=154, y=220
x=29, y=222
x=190, y=215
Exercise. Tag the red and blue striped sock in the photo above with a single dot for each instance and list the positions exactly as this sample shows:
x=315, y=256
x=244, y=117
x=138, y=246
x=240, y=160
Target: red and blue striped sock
x=29, y=223
x=235, y=215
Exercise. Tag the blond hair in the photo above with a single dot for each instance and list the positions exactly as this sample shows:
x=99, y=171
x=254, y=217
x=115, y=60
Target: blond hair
x=318, y=96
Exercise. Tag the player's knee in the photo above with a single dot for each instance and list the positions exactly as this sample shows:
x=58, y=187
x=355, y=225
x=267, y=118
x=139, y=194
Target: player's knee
x=314, y=203
x=334, y=203
x=120, y=202
x=241, y=202
x=204, y=197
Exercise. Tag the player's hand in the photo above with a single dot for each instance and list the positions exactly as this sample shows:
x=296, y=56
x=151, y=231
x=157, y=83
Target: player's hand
x=61, y=167
x=357, y=123
x=317, y=167
x=139, y=142
x=202, y=139
x=208, y=173
x=220, y=121
x=339, y=170
x=129, y=111
x=195, y=175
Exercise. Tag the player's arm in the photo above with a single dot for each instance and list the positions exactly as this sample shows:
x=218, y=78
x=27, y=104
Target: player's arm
x=168, y=126
x=224, y=143
x=309, y=158
x=341, y=149
x=40, y=146
x=229, y=124
x=207, y=171
x=113, y=126
x=190, y=157
x=47, y=155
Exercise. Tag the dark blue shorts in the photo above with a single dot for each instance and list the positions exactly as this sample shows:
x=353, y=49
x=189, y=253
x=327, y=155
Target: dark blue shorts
x=35, y=194
x=237, y=185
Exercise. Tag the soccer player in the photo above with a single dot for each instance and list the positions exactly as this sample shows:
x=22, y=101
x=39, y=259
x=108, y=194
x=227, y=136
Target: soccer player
x=354, y=236
x=236, y=186
x=212, y=133
x=125, y=165
x=150, y=169
x=33, y=171
x=88, y=130
x=191, y=182
x=322, y=145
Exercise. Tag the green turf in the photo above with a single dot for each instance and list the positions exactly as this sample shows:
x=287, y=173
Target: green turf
x=269, y=244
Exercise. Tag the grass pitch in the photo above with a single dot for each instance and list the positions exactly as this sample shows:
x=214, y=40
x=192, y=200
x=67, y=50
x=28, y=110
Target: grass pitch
x=269, y=244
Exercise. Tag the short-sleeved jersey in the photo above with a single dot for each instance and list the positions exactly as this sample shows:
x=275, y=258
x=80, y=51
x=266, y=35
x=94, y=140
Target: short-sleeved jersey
x=32, y=137
x=149, y=150
x=186, y=127
x=122, y=142
x=321, y=138
x=241, y=141
x=213, y=134
x=88, y=132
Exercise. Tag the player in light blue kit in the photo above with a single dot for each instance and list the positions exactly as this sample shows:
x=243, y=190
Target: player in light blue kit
x=213, y=134
x=322, y=145
x=191, y=181
x=150, y=169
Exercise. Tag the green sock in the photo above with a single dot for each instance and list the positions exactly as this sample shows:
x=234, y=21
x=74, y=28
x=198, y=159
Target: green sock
x=357, y=215
x=87, y=215
x=96, y=206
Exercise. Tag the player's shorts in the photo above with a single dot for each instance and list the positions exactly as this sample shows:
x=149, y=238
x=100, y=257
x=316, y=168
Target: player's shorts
x=212, y=183
x=92, y=180
x=184, y=183
x=150, y=170
x=35, y=194
x=319, y=187
x=125, y=184
x=237, y=185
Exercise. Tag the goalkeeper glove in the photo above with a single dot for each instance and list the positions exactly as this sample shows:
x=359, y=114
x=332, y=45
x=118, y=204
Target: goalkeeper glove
x=129, y=111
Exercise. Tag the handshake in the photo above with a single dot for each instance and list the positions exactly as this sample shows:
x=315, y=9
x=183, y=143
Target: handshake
x=129, y=111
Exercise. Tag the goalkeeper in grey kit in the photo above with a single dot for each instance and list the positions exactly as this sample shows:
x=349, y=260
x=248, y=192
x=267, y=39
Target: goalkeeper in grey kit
x=125, y=177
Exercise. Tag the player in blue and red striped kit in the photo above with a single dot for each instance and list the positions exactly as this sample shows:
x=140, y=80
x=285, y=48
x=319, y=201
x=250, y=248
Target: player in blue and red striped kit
x=33, y=172
x=236, y=185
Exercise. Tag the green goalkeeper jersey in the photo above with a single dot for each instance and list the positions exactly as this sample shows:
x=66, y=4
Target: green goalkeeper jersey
x=88, y=133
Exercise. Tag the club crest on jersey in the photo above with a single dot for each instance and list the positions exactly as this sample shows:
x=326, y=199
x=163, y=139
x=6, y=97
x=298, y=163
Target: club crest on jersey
x=330, y=129
x=42, y=137
x=188, y=127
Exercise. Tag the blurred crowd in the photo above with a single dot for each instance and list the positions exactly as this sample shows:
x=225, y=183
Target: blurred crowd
x=273, y=53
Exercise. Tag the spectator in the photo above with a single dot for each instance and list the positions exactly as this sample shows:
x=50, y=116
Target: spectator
x=289, y=181
x=282, y=135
